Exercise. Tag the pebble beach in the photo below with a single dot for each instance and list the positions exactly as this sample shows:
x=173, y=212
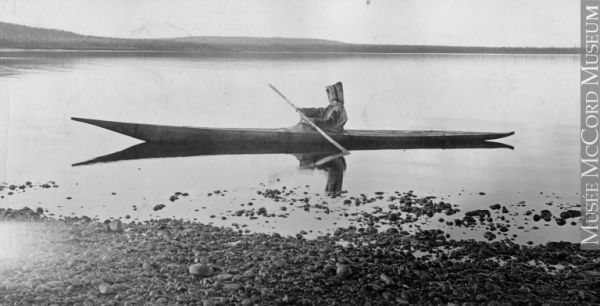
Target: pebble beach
x=85, y=261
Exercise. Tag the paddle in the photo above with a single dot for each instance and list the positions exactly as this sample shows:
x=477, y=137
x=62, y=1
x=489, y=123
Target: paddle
x=344, y=151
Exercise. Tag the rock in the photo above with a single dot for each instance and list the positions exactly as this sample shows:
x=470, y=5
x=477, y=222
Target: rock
x=105, y=227
x=343, y=270
x=481, y=213
x=116, y=226
x=386, y=279
x=208, y=303
x=224, y=276
x=232, y=287
x=10, y=286
x=391, y=231
x=592, y=273
x=570, y=214
x=201, y=269
x=105, y=288
x=489, y=236
x=523, y=289
x=495, y=206
x=489, y=287
x=158, y=207
x=546, y=215
x=481, y=298
x=149, y=267
x=561, y=221
x=246, y=302
x=43, y=288
x=286, y=245
x=54, y=284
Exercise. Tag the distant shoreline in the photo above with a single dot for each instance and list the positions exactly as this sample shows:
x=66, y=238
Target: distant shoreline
x=90, y=51
x=23, y=38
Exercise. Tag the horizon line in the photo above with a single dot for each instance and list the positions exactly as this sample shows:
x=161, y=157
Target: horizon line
x=293, y=38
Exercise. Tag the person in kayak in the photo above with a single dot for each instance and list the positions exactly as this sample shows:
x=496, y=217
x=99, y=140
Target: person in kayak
x=333, y=117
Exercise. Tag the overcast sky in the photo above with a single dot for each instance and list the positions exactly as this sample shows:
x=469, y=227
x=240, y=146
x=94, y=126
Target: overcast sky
x=433, y=22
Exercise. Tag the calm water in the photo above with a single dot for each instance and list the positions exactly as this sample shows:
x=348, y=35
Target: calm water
x=535, y=96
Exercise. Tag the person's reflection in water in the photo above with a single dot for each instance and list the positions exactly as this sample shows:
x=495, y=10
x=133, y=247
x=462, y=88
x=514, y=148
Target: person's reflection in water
x=335, y=170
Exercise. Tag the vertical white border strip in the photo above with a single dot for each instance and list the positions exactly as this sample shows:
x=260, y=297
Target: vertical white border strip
x=590, y=121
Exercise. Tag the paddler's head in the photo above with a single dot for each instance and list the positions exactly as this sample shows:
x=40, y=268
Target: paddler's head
x=335, y=93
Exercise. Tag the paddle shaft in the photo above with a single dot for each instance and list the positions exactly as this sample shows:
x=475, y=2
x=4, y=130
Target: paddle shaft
x=335, y=143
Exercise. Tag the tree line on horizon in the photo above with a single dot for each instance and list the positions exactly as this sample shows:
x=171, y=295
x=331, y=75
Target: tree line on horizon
x=14, y=36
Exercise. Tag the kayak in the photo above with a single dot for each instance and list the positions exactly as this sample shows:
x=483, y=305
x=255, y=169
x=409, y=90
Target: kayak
x=286, y=136
x=149, y=150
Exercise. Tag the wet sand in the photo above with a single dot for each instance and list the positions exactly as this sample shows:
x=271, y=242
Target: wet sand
x=81, y=261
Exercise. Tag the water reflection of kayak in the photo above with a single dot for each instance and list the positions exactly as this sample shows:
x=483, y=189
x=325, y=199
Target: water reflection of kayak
x=165, y=150
x=287, y=136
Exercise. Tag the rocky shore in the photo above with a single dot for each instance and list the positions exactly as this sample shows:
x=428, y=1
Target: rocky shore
x=81, y=261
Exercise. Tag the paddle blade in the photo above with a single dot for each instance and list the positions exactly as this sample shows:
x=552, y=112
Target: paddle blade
x=327, y=159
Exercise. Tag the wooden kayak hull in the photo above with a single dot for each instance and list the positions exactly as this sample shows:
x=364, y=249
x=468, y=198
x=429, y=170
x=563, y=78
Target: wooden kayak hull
x=284, y=136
